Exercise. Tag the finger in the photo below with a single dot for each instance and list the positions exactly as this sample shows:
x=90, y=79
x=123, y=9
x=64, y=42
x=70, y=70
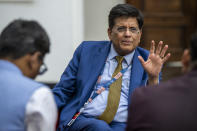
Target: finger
x=185, y=55
x=152, y=47
x=185, y=58
x=166, y=57
x=141, y=60
x=158, y=50
x=163, y=51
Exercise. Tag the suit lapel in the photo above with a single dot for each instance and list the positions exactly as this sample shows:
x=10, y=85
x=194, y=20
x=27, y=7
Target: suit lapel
x=98, y=60
x=136, y=73
x=96, y=65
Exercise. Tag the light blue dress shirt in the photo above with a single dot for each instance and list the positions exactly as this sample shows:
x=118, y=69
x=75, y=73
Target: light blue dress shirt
x=98, y=105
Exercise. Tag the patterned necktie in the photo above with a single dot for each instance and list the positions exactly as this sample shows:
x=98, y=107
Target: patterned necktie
x=114, y=95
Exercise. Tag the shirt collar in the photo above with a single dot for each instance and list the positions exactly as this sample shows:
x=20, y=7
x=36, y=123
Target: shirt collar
x=112, y=54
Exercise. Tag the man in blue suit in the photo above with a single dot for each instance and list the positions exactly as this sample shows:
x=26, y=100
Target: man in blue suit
x=94, y=90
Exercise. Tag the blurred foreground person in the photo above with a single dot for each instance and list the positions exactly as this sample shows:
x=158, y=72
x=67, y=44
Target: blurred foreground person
x=170, y=106
x=25, y=105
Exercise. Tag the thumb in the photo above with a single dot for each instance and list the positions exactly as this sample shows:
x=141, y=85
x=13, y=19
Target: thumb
x=141, y=60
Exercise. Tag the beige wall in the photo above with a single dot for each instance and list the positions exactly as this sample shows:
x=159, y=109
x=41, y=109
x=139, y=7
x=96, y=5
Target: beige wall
x=68, y=22
x=96, y=18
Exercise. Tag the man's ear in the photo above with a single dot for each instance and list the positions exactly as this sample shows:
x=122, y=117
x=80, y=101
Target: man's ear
x=33, y=61
x=186, y=58
x=141, y=32
x=109, y=31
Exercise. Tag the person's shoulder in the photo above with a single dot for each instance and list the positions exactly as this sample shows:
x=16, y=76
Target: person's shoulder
x=43, y=90
x=142, y=51
x=95, y=43
x=171, y=85
x=32, y=83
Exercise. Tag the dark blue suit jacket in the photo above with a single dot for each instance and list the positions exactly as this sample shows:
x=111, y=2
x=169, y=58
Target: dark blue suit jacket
x=79, y=78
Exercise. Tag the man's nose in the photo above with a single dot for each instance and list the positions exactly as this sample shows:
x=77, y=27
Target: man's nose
x=127, y=33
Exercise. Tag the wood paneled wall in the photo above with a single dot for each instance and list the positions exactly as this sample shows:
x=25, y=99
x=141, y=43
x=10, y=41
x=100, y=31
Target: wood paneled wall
x=172, y=21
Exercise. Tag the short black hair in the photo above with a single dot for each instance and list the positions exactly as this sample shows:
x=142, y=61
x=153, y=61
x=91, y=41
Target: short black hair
x=22, y=37
x=125, y=10
x=193, y=47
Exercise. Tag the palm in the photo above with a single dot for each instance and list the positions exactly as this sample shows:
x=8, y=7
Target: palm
x=153, y=65
x=155, y=60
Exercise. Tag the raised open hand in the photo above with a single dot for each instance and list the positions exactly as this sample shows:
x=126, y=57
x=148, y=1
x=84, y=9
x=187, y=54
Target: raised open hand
x=155, y=60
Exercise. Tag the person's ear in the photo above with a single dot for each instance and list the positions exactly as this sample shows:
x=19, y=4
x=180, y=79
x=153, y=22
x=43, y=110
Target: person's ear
x=186, y=58
x=34, y=58
x=33, y=64
x=109, y=31
x=140, y=32
x=140, y=35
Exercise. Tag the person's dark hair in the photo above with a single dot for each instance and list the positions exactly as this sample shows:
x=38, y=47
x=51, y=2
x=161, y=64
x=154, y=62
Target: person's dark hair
x=22, y=37
x=193, y=47
x=125, y=10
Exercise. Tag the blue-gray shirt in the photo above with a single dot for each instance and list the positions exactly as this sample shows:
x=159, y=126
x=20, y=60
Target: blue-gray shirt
x=98, y=105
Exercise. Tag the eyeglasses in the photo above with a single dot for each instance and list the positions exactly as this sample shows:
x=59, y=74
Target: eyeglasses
x=43, y=69
x=123, y=29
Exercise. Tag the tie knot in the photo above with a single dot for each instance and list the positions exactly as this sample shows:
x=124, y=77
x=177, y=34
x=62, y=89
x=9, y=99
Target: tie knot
x=119, y=59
